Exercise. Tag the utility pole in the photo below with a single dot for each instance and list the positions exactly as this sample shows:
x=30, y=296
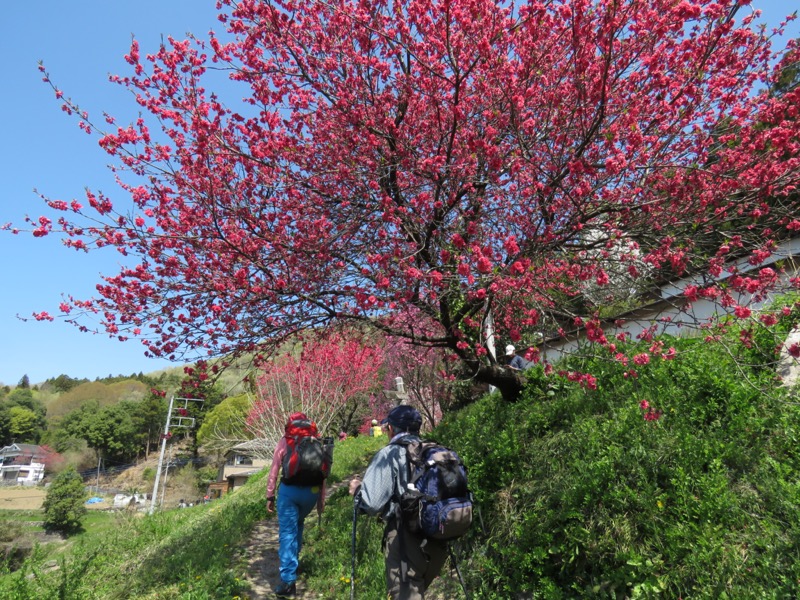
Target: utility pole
x=166, y=473
x=180, y=420
x=488, y=324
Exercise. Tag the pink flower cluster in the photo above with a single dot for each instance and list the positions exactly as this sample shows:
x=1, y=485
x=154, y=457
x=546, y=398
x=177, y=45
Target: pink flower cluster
x=585, y=380
x=650, y=414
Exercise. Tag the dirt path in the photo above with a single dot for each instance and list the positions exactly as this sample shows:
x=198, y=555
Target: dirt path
x=263, y=565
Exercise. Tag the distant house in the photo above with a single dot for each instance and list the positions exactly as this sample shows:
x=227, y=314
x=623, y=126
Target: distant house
x=22, y=464
x=241, y=461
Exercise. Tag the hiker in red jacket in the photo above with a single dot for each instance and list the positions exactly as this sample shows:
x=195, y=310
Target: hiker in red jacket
x=302, y=487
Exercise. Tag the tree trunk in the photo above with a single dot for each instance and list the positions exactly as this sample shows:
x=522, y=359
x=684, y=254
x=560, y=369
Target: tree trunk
x=508, y=381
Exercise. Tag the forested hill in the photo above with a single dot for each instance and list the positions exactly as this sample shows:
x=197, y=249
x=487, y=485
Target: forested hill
x=62, y=411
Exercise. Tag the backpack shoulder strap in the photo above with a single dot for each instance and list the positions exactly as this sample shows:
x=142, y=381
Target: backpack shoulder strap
x=414, y=447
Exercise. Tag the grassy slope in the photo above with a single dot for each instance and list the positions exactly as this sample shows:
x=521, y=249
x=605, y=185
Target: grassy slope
x=581, y=498
x=186, y=553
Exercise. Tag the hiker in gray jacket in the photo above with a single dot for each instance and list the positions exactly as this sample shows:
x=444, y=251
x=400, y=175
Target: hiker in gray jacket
x=412, y=562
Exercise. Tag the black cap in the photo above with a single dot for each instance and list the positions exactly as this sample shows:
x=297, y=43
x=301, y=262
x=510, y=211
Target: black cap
x=404, y=418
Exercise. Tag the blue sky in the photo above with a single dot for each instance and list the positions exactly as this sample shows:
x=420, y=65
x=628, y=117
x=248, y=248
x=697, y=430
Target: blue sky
x=80, y=42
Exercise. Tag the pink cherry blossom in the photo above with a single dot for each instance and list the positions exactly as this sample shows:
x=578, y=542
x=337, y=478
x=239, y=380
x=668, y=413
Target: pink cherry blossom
x=370, y=162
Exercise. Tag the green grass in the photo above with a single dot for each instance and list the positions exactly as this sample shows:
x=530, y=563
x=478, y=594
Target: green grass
x=21, y=515
x=579, y=497
x=584, y=498
x=187, y=554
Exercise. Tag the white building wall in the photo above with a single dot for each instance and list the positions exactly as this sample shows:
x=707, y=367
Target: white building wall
x=671, y=315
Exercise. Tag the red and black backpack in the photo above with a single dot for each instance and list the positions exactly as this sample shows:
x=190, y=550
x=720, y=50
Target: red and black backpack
x=307, y=461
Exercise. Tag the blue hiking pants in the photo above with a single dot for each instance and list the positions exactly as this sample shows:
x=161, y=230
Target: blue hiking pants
x=293, y=505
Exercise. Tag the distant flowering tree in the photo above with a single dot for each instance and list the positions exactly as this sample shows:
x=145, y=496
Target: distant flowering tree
x=51, y=459
x=427, y=377
x=445, y=158
x=322, y=380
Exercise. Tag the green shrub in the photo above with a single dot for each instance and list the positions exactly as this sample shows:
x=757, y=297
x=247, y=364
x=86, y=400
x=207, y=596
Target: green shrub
x=583, y=497
x=204, y=476
x=64, y=504
x=761, y=349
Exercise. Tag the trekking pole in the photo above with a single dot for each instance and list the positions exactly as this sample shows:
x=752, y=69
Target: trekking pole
x=356, y=501
x=458, y=571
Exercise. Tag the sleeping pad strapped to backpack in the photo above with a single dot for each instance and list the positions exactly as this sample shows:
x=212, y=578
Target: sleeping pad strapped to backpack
x=438, y=503
x=307, y=461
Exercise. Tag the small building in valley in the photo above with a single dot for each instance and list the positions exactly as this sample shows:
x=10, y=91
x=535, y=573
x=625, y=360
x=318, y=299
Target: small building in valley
x=241, y=461
x=22, y=464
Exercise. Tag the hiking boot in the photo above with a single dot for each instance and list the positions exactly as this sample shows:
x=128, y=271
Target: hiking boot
x=286, y=590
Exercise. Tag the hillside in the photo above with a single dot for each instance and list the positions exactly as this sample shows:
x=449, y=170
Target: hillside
x=678, y=479
x=117, y=417
x=229, y=379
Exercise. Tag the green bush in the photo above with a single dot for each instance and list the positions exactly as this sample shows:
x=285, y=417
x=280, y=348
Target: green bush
x=583, y=497
x=64, y=504
x=761, y=347
x=204, y=476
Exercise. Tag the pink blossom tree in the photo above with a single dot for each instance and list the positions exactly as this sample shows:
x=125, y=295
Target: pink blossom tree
x=426, y=373
x=51, y=459
x=326, y=380
x=426, y=379
x=450, y=158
